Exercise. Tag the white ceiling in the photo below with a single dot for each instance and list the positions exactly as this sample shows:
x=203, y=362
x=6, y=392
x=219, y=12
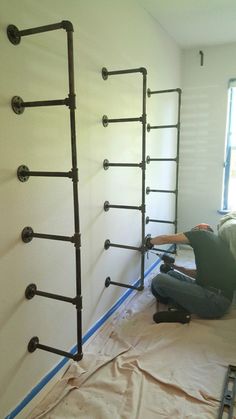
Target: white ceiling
x=195, y=22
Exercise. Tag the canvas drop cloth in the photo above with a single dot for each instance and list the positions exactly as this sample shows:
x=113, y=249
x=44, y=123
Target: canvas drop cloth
x=136, y=369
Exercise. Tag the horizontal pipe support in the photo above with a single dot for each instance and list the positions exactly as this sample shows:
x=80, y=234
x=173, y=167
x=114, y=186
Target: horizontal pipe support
x=108, y=244
x=149, y=159
x=151, y=220
x=149, y=127
x=18, y=105
x=14, y=34
x=106, y=73
x=23, y=173
x=28, y=234
x=107, y=206
x=148, y=190
x=108, y=282
x=31, y=291
x=154, y=92
x=106, y=120
x=34, y=344
x=107, y=164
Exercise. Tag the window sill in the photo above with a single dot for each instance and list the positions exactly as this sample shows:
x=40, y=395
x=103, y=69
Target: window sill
x=223, y=212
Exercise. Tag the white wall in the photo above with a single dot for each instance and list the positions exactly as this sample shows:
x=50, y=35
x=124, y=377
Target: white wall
x=203, y=119
x=108, y=33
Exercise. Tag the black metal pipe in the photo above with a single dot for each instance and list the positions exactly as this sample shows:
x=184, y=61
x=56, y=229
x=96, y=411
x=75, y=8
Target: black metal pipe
x=108, y=244
x=107, y=164
x=150, y=92
x=34, y=344
x=151, y=220
x=31, y=291
x=52, y=237
x=144, y=123
x=75, y=185
x=108, y=282
x=106, y=120
x=149, y=127
x=165, y=159
x=40, y=29
x=106, y=73
x=107, y=206
x=50, y=174
x=148, y=190
x=37, y=103
x=23, y=173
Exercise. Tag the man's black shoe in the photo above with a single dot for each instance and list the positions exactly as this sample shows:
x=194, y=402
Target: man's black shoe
x=172, y=317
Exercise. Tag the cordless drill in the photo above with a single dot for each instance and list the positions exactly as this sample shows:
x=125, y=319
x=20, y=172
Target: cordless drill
x=168, y=260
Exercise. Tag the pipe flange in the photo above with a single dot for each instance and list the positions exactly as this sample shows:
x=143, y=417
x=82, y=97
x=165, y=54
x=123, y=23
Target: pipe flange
x=148, y=159
x=33, y=344
x=27, y=234
x=106, y=206
x=22, y=173
x=105, y=164
x=147, y=190
x=148, y=127
x=30, y=291
x=105, y=120
x=104, y=73
x=107, y=282
x=149, y=92
x=107, y=244
x=17, y=105
x=147, y=220
x=13, y=34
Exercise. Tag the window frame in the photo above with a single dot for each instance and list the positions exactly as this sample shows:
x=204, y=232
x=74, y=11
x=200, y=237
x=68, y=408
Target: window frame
x=228, y=146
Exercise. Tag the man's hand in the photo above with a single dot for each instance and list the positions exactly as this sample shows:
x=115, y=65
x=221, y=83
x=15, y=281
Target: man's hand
x=148, y=243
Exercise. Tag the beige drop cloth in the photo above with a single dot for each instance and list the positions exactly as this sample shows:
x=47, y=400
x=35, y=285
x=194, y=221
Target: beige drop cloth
x=136, y=369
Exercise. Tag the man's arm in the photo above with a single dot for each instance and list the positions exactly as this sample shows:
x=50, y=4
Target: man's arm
x=179, y=238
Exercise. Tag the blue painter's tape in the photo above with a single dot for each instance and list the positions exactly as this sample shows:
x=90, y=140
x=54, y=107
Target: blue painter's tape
x=45, y=380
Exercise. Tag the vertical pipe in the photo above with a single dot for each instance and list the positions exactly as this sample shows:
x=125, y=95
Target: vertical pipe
x=144, y=121
x=75, y=184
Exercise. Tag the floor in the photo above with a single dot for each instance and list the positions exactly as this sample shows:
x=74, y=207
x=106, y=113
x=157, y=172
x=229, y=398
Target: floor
x=137, y=369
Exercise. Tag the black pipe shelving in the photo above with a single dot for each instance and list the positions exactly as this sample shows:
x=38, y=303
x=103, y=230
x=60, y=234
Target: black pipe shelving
x=106, y=164
x=173, y=160
x=23, y=174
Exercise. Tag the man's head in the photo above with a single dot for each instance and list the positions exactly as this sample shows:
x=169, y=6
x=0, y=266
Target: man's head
x=203, y=226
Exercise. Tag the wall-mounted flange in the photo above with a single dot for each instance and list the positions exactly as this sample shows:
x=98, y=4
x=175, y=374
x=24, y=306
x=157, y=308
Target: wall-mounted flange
x=147, y=220
x=104, y=73
x=107, y=282
x=13, y=34
x=22, y=173
x=149, y=92
x=105, y=164
x=107, y=244
x=106, y=206
x=30, y=291
x=147, y=190
x=148, y=159
x=17, y=105
x=105, y=120
x=148, y=127
x=27, y=234
x=33, y=344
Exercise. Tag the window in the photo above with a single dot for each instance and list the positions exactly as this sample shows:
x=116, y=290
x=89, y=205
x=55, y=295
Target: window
x=229, y=189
